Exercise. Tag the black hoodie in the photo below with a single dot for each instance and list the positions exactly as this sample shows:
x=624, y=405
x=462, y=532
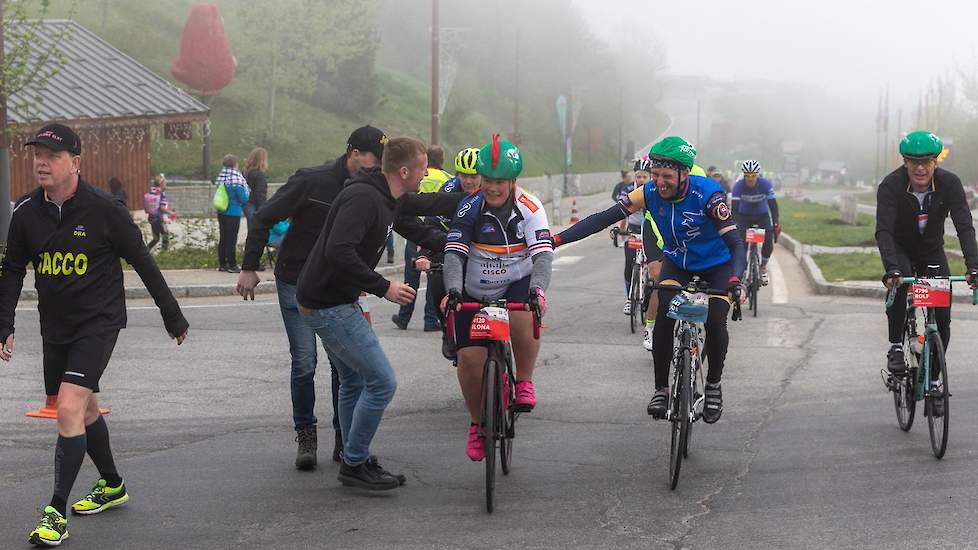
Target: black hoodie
x=341, y=263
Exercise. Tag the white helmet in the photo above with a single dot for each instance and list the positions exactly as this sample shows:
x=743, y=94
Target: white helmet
x=751, y=167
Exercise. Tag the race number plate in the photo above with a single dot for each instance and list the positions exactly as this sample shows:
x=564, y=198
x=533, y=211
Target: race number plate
x=490, y=323
x=755, y=235
x=634, y=243
x=931, y=293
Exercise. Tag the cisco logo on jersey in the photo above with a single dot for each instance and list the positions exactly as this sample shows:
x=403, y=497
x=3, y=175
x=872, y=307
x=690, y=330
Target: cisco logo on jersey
x=61, y=263
x=494, y=267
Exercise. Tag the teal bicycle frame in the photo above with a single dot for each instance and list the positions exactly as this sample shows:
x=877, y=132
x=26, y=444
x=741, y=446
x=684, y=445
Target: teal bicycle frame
x=930, y=327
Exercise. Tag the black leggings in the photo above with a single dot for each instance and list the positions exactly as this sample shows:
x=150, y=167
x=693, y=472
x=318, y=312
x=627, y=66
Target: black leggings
x=717, y=338
x=227, y=240
x=764, y=222
x=896, y=315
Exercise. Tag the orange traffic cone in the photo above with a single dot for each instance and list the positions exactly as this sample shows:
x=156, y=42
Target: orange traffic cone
x=50, y=409
x=365, y=307
x=575, y=215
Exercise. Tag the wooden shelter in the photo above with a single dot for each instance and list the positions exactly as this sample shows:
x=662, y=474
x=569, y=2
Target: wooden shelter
x=114, y=104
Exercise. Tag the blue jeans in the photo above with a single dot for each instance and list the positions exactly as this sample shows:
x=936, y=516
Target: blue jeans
x=413, y=277
x=302, y=348
x=367, y=381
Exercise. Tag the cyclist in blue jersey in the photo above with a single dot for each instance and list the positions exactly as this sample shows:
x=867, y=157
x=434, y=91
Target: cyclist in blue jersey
x=633, y=225
x=499, y=247
x=754, y=203
x=699, y=239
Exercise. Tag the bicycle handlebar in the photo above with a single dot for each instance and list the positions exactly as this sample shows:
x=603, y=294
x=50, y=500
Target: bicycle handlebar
x=891, y=293
x=476, y=306
x=713, y=292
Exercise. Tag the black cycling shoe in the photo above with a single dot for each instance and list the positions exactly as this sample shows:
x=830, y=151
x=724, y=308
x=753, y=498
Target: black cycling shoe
x=895, y=362
x=713, y=404
x=367, y=476
x=936, y=394
x=657, y=407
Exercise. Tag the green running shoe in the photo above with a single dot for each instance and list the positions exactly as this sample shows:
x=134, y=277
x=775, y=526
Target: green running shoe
x=101, y=498
x=52, y=530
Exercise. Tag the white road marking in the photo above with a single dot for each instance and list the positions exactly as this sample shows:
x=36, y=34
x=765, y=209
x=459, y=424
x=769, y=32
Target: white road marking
x=567, y=260
x=779, y=289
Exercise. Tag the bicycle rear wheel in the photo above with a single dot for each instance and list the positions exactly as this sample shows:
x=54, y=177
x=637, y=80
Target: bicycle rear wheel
x=938, y=425
x=490, y=419
x=633, y=296
x=680, y=420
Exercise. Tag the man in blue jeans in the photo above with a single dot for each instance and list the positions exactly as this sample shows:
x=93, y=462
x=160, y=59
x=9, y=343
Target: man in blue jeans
x=305, y=200
x=341, y=264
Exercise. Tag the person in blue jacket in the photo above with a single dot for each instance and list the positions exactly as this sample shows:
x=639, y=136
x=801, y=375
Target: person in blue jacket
x=229, y=220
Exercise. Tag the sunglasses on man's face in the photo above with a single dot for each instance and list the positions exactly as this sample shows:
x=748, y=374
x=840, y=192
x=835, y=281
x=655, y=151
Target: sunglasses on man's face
x=918, y=162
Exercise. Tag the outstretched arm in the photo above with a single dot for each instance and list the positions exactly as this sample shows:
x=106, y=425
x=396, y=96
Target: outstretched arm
x=590, y=225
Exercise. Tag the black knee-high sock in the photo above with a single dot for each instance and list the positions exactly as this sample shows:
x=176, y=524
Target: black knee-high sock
x=68, y=456
x=100, y=451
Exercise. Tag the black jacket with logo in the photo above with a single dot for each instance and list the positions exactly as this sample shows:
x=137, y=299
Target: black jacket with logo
x=897, y=211
x=75, y=251
x=341, y=264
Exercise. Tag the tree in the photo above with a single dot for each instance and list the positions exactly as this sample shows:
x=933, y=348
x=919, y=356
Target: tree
x=290, y=43
x=23, y=67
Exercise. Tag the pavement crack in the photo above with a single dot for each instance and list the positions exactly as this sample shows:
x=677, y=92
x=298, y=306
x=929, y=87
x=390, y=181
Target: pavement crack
x=749, y=448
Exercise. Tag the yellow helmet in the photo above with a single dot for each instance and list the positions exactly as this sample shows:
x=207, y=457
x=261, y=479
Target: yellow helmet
x=465, y=160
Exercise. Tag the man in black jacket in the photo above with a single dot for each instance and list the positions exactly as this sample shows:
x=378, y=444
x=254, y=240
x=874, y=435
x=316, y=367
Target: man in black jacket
x=342, y=264
x=912, y=204
x=74, y=235
x=305, y=199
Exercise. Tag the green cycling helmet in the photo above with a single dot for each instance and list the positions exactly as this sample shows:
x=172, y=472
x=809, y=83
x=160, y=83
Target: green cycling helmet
x=676, y=149
x=499, y=160
x=921, y=144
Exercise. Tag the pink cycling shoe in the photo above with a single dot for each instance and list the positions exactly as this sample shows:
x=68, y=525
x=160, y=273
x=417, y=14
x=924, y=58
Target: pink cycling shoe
x=476, y=448
x=526, y=397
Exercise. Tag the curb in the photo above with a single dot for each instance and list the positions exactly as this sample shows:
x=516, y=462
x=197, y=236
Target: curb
x=205, y=291
x=821, y=286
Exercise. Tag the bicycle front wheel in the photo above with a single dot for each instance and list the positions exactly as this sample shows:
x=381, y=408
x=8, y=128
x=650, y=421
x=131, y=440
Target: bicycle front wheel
x=490, y=427
x=633, y=292
x=937, y=398
x=903, y=391
x=680, y=419
x=507, y=420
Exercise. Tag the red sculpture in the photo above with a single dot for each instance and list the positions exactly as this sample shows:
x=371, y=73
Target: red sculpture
x=205, y=63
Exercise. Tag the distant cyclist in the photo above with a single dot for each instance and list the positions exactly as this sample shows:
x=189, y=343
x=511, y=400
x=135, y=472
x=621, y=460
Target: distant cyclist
x=699, y=239
x=633, y=226
x=754, y=203
x=499, y=247
x=912, y=204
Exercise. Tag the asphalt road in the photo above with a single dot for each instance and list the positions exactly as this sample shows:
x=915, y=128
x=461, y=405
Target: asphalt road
x=807, y=454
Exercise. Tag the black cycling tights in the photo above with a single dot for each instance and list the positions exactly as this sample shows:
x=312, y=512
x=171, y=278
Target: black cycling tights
x=717, y=339
x=896, y=316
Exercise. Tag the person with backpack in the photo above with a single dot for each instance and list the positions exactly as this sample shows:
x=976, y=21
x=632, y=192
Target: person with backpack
x=229, y=220
x=157, y=207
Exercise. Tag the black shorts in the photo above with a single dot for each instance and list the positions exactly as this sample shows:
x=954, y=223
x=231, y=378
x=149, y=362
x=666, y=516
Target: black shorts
x=517, y=292
x=80, y=362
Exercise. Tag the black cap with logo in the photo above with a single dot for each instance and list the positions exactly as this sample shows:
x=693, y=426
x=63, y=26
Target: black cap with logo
x=367, y=138
x=58, y=137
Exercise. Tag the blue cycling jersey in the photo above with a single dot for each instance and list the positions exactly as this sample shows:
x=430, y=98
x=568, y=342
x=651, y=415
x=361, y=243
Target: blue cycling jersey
x=752, y=201
x=689, y=227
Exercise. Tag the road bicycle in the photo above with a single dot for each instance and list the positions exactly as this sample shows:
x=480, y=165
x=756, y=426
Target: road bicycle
x=753, y=281
x=499, y=413
x=690, y=308
x=925, y=376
